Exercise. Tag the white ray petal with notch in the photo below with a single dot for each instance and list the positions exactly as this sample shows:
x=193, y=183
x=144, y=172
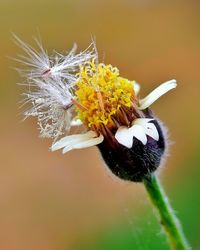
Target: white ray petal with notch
x=157, y=93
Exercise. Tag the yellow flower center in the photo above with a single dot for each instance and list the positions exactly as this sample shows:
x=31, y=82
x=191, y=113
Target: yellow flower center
x=101, y=93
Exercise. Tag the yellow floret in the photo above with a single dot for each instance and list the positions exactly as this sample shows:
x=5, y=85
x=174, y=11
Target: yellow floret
x=100, y=93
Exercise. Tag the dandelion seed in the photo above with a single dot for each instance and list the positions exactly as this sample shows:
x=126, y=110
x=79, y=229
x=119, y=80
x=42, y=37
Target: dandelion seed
x=50, y=81
x=38, y=64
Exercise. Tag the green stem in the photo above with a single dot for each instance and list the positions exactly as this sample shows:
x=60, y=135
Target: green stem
x=168, y=218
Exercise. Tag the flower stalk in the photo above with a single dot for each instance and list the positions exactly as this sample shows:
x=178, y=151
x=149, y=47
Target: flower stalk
x=168, y=219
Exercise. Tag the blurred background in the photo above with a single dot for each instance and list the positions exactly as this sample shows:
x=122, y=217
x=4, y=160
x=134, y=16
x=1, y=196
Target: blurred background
x=50, y=201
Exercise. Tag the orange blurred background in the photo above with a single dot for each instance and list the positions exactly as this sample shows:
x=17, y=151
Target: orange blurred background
x=51, y=201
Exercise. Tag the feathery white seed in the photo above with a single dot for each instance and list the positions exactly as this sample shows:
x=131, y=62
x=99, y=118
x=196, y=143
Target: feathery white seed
x=50, y=81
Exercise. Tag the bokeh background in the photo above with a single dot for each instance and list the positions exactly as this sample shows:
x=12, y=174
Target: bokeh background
x=50, y=201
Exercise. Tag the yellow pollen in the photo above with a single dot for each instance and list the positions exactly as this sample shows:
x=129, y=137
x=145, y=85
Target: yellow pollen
x=102, y=92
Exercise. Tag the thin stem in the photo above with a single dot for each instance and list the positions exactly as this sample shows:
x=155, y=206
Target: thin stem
x=168, y=219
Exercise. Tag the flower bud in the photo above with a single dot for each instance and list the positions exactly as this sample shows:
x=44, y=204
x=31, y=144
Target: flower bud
x=137, y=162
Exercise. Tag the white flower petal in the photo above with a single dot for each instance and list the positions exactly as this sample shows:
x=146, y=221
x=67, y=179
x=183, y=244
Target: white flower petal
x=157, y=93
x=84, y=144
x=77, y=141
x=149, y=128
x=76, y=122
x=151, y=131
x=139, y=133
x=125, y=135
x=72, y=139
x=136, y=88
x=142, y=121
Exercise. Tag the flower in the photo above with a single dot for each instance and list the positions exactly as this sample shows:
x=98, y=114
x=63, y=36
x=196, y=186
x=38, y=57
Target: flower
x=76, y=90
x=109, y=106
x=130, y=139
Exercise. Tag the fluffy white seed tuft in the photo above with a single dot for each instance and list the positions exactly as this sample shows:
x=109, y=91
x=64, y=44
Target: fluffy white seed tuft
x=50, y=81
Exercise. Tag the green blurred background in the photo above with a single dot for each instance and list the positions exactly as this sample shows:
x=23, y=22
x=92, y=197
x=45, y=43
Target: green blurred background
x=51, y=201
